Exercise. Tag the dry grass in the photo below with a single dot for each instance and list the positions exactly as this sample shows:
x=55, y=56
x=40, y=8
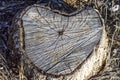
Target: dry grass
x=27, y=72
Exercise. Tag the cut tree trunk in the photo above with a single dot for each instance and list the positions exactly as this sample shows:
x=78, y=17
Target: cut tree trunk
x=60, y=46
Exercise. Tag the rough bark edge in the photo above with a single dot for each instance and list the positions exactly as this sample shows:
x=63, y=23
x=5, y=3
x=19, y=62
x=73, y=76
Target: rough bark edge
x=91, y=66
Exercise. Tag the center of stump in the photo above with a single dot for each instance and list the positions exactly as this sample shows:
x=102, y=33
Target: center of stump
x=60, y=32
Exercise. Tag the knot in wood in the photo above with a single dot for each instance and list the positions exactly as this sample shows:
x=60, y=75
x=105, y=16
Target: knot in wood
x=60, y=32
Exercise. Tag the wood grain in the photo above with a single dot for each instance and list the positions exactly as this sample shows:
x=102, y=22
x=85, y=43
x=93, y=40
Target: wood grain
x=58, y=44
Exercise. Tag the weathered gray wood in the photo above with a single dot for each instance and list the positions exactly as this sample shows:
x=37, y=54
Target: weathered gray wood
x=58, y=44
x=55, y=43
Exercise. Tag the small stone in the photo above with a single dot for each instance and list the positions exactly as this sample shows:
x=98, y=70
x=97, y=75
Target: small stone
x=115, y=8
x=1, y=68
x=115, y=51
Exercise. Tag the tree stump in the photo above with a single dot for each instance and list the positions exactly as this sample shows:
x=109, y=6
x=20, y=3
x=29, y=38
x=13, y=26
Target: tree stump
x=60, y=45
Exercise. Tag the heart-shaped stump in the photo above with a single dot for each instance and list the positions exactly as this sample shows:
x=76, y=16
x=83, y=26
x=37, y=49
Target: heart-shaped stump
x=55, y=43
